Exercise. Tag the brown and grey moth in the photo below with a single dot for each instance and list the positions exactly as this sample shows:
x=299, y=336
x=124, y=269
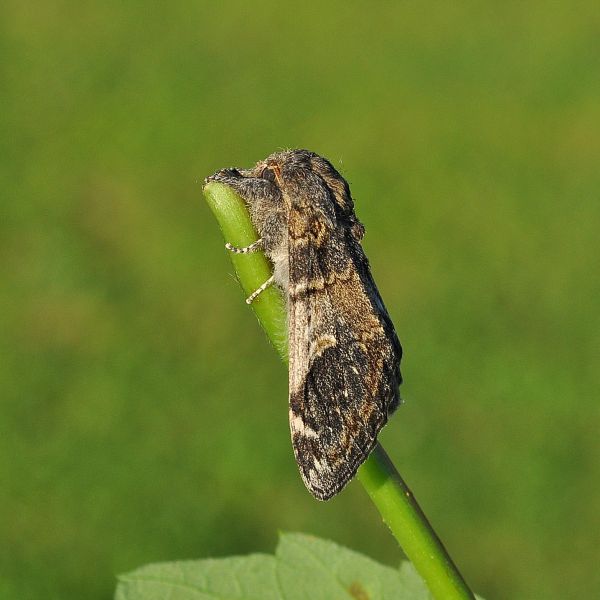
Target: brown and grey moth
x=344, y=356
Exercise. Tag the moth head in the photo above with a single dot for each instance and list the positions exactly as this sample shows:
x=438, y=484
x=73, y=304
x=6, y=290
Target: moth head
x=296, y=170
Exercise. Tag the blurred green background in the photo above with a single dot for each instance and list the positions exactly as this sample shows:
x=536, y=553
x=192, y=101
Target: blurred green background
x=143, y=416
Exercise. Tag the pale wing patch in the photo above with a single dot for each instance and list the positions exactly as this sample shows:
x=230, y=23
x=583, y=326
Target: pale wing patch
x=320, y=344
x=297, y=426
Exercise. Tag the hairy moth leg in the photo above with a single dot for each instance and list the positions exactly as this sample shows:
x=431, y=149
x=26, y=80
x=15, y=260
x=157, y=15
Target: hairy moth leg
x=262, y=288
x=257, y=245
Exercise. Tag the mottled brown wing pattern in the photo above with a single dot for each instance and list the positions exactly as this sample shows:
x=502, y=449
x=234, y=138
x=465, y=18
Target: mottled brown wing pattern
x=344, y=376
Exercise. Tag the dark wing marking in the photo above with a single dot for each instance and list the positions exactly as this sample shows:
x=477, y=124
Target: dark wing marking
x=344, y=354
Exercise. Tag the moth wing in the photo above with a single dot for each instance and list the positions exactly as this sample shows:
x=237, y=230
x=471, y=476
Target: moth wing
x=343, y=353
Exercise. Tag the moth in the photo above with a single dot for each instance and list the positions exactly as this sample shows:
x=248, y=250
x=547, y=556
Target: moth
x=344, y=355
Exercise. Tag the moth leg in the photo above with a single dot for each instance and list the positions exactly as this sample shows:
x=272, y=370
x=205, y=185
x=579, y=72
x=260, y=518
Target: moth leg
x=257, y=245
x=262, y=288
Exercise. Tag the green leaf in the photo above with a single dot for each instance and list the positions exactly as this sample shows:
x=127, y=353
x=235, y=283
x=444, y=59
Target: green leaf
x=308, y=567
x=304, y=567
x=252, y=577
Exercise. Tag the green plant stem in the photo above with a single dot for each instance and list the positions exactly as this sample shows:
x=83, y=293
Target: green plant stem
x=410, y=526
x=378, y=475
